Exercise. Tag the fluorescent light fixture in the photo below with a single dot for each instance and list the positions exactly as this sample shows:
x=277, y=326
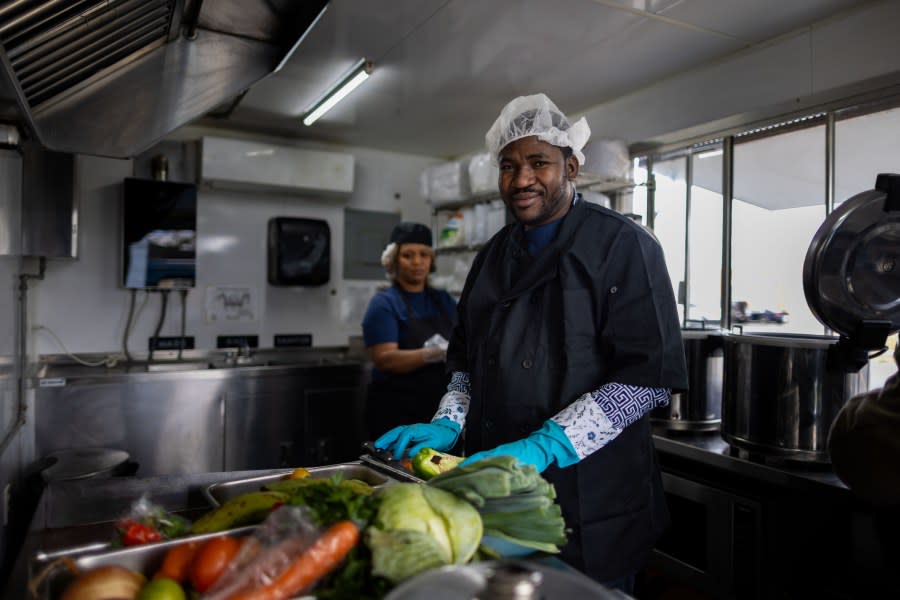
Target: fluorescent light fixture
x=710, y=153
x=359, y=73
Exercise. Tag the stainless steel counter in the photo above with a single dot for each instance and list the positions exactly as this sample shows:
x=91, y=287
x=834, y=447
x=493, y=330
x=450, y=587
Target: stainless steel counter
x=203, y=364
x=710, y=449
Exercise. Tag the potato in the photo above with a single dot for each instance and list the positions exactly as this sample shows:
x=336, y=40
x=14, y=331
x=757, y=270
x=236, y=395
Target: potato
x=105, y=583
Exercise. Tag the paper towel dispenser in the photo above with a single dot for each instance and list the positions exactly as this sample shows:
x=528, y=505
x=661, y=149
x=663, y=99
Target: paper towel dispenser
x=299, y=251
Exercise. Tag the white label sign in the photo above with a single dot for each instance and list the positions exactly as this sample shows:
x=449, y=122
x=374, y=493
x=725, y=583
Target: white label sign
x=231, y=303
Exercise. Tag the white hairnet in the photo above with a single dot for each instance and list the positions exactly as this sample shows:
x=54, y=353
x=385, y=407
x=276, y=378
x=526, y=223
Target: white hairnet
x=388, y=259
x=536, y=115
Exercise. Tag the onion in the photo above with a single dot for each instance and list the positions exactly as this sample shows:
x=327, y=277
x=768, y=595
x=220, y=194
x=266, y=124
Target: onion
x=105, y=583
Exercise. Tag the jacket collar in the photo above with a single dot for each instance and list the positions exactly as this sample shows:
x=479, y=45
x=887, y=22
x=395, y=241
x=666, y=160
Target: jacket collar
x=546, y=266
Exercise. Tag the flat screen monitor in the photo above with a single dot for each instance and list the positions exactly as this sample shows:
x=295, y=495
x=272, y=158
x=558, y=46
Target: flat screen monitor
x=159, y=246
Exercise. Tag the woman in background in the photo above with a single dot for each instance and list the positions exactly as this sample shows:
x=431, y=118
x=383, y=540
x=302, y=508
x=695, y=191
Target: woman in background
x=406, y=328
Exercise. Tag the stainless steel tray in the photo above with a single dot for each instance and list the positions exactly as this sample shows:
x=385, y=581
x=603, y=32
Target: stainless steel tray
x=144, y=559
x=218, y=493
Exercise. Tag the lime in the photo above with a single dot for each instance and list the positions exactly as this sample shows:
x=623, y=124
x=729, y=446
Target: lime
x=162, y=589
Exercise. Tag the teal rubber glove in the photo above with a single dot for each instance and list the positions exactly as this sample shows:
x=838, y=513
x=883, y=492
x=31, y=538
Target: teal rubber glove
x=441, y=435
x=542, y=448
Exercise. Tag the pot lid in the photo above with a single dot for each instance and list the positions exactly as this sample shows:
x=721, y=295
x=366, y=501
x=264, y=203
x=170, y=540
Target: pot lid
x=494, y=580
x=851, y=275
x=82, y=463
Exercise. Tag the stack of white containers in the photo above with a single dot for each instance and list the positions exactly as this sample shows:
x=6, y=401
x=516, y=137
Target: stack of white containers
x=606, y=160
x=465, y=193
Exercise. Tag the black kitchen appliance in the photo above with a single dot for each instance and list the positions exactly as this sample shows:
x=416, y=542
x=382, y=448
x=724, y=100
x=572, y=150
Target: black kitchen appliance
x=299, y=251
x=159, y=241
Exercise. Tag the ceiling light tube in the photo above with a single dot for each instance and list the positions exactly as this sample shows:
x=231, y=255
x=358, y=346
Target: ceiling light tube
x=710, y=153
x=338, y=92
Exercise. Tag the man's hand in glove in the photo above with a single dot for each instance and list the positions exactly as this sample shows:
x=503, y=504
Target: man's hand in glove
x=441, y=434
x=542, y=448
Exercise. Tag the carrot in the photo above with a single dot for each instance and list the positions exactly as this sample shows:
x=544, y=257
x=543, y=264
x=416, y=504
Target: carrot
x=318, y=560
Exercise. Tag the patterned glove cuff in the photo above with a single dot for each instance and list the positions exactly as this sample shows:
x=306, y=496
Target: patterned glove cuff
x=459, y=382
x=586, y=425
x=454, y=406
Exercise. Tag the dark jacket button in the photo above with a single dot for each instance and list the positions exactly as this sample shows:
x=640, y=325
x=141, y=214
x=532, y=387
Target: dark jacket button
x=488, y=424
x=507, y=304
x=526, y=364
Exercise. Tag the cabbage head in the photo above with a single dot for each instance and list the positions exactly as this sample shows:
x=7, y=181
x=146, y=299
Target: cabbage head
x=419, y=528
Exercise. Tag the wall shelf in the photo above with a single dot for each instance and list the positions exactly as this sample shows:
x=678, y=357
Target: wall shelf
x=466, y=202
x=458, y=249
x=604, y=184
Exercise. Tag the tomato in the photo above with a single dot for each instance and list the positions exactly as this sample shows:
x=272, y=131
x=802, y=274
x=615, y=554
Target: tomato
x=211, y=560
x=134, y=533
x=177, y=562
x=162, y=589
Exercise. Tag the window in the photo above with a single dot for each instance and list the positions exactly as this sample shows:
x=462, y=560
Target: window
x=704, y=290
x=638, y=206
x=670, y=217
x=864, y=147
x=779, y=203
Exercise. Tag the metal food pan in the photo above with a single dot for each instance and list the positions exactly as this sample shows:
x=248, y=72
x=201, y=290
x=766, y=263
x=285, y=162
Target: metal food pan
x=52, y=568
x=218, y=493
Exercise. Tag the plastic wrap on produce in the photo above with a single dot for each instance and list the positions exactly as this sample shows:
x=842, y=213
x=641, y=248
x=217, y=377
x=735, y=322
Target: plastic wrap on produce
x=606, y=159
x=482, y=174
x=447, y=183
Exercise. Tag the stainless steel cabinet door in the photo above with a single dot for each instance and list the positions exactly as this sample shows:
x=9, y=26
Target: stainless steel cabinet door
x=263, y=418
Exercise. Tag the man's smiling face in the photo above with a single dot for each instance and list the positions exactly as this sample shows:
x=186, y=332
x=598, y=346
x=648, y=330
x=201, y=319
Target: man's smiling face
x=534, y=180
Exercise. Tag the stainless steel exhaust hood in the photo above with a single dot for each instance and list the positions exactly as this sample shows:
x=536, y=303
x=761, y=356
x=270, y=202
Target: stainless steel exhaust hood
x=111, y=77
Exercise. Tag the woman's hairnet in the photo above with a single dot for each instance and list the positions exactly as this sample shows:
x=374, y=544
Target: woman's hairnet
x=536, y=115
x=389, y=259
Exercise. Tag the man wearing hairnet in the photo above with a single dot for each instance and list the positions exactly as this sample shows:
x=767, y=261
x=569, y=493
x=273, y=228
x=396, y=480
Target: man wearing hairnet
x=567, y=336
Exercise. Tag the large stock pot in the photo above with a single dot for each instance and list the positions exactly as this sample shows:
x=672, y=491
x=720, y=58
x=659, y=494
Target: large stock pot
x=700, y=408
x=782, y=391
x=780, y=394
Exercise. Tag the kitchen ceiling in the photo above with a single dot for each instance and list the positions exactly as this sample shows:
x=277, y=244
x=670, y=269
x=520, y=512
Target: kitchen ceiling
x=444, y=68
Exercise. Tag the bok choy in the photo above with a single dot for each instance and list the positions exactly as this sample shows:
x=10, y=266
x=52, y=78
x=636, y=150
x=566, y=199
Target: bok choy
x=516, y=504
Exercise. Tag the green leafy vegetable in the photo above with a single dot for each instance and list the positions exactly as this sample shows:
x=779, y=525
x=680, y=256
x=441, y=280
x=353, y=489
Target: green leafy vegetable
x=419, y=528
x=516, y=504
x=329, y=500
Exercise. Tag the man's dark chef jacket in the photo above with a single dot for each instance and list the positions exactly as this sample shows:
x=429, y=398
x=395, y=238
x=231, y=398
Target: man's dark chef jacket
x=595, y=306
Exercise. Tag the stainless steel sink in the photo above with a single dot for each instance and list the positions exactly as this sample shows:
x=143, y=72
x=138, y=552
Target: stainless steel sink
x=179, y=366
x=242, y=362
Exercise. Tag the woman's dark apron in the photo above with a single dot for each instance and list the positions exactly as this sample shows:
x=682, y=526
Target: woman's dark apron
x=404, y=399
